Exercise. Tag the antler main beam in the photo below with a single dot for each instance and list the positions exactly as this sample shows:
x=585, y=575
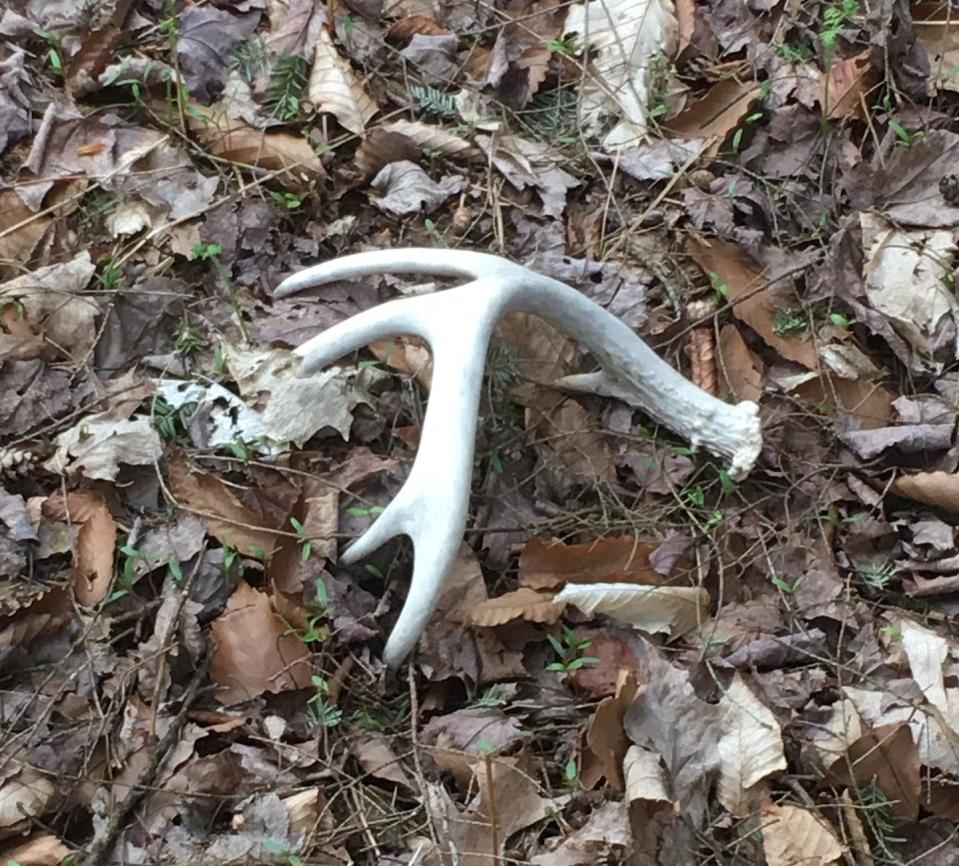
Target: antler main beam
x=431, y=507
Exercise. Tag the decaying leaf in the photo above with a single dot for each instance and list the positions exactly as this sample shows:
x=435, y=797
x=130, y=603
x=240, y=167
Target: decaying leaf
x=793, y=836
x=254, y=651
x=717, y=114
x=743, y=284
x=406, y=189
x=940, y=489
x=739, y=366
x=672, y=610
x=233, y=523
x=523, y=603
x=607, y=740
x=937, y=29
x=645, y=781
x=568, y=436
x=847, y=85
x=24, y=794
x=94, y=545
x=334, y=88
x=98, y=445
x=547, y=565
x=627, y=39
x=39, y=850
x=750, y=746
x=905, y=274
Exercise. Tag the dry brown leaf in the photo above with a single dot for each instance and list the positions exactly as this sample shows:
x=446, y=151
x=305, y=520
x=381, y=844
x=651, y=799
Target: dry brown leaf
x=382, y=147
x=606, y=738
x=375, y=754
x=888, y=758
x=40, y=850
x=427, y=136
x=717, y=114
x=750, y=747
x=672, y=610
x=940, y=489
x=408, y=355
x=747, y=290
x=227, y=519
x=317, y=513
x=254, y=651
x=334, y=88
x=793, y=836
x=741, y=369
x=869, y=402
x=95, y=543
x=701, y=351
x=236, y=142
x=645, y=780
x=569, y=437
x=411, y=25
x=547, y=565
x=20, y=230
x=847, y=85
x=523, y=603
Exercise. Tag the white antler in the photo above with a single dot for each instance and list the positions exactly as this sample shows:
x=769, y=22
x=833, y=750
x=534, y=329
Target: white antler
x=431, y=508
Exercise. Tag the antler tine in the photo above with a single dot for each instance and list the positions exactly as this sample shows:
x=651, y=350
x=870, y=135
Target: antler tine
x=444, y=263
x=432, y=505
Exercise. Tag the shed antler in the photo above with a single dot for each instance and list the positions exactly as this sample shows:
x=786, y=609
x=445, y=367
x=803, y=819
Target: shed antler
x=431, y=508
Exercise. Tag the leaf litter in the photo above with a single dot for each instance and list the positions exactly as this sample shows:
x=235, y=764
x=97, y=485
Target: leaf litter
x=635, y=660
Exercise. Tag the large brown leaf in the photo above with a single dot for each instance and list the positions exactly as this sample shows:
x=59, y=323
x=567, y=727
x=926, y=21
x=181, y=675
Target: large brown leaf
x=254, y=650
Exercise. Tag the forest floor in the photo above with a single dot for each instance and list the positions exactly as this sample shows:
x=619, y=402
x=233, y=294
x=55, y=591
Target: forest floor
x=761, y=670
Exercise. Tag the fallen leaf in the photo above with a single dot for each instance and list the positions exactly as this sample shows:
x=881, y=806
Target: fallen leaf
x=888, y=758
x=568, y=436
x=605, y=838
x=294, y=408
x=645, y=781
x=406, y=189
x=24, y=795
x=717, y=114
x=334, y=88
x=236, y=142
x=380, y=148
x=606, y=738
x=937, y=30
x=254, y=651
x=100, y=444
x=38, y=850
x=940, y=489
x=905, y=275
x=547, y=565
x=727, y=266
x=793, y=836
x=20, y=230
x=523, y=603
x=740, y=368
x=847, y=86
x=54, y=306
x=410, y=25
x=625, y=39
x=750, y=746
x=230, y=521
x=205, y=44
x=673, y=610
x=375, y=754
x=428, y=136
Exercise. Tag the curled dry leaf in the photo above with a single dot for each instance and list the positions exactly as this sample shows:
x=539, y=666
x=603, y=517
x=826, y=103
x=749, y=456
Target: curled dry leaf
x=606, y=738
x=645, y=780
x=750, y=746
x=940, y=489
x=254, y=651
x=701, y=351
x=673, y=610
x=39, y=850
x=523, y=603
x=427, y=136
x=334, y=88
x=793, y=836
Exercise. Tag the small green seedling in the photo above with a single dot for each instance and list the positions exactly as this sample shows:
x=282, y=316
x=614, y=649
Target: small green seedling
x=570, y=651
x=320, y=712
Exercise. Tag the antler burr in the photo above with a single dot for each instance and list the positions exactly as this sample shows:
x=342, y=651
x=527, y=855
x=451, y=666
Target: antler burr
x=431, y=507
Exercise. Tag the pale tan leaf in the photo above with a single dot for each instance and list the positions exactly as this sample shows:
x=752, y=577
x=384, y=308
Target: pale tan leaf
x=926, y=652
x=523, y=603
x=793, y=836
x=626, y=39
x=334, y=88
x=645, y=779
x=254, y=650
x=42, y=850
x=906, y=274
x=428, y=136
x=24, y=795
x=99, y=445
x=306, y=810
x=672, y=610
x=940, y=489
x=234, y=141
x=750, y=746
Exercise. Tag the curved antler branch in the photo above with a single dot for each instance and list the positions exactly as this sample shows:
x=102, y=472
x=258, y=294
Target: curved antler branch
x=432, y=505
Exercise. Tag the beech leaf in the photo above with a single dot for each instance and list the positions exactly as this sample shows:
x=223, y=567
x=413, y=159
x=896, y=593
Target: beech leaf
x=672, y=610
